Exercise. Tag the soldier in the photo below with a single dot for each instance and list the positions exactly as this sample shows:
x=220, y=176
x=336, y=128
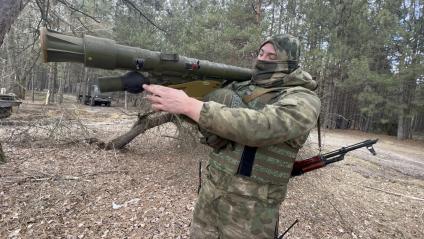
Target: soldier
x=256, y=131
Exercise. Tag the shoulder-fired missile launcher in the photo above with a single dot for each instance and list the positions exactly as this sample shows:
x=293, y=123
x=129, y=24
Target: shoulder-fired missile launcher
x=196, y=77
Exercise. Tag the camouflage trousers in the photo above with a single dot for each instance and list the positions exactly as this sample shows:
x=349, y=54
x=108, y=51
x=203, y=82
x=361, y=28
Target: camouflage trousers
x=234, y=207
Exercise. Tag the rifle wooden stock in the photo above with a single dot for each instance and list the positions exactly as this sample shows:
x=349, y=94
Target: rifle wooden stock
x=319, y=161
x=313, y=166
x=300, y=166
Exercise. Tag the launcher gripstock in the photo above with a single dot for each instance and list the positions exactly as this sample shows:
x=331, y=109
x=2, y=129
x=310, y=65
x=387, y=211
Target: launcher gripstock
x=192, y=75
x=319, y=161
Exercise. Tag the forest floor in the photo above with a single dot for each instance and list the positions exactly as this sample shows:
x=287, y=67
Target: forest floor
x=56, y=186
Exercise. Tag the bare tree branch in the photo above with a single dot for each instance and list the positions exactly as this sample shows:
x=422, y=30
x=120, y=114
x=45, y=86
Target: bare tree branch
x=84, y=26
x=62, y=19
x=131, y=4
x=76, y=10
x=143, y=123
x=32, y=44
x=43, y=11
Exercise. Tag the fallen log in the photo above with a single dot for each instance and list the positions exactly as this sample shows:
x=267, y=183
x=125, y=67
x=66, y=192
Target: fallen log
x=143, y=123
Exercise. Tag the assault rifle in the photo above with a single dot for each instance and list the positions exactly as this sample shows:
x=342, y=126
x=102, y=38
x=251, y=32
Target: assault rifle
x=319, y=161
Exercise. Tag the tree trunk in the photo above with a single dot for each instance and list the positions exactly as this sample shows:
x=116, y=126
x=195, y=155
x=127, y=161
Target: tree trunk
x=406, y=114
x=9, y=11
x=126, y=100
x=258, y=6
x=50, y=83
x=43, y=78
x=53, y=84
x=271, y=29
x=81, y=76
x=2, y=156
x=280, y=18
x=403, y=126
x=85, y=88
x=61, y=86
x=60, y=91
x=68, y=85
x=409, y=72
x=33, y=76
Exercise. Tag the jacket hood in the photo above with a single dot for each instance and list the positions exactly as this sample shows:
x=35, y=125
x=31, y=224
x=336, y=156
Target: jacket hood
x=299, y=77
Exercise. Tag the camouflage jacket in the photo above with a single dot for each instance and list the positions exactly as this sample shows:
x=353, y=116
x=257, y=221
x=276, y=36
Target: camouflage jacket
x=279, y=127
x=293, y=114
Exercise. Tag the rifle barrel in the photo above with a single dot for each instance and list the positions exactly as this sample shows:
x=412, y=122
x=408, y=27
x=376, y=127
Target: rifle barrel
x=344, y=150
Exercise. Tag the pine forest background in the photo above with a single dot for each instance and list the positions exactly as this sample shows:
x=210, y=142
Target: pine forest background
x=367, y=55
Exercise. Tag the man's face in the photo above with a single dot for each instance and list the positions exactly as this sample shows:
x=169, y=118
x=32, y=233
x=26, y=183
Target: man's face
x=267, y=53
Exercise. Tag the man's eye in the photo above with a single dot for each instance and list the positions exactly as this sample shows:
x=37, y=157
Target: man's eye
x=273, y=57
x=261, y=53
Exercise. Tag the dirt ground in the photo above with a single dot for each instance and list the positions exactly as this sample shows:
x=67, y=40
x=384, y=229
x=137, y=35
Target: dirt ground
x=56, y=186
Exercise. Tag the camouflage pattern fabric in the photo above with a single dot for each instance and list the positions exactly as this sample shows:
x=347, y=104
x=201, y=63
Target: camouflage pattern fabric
x=286, y=46
x=271, y=73
x=229, y=98
x=235, y=207
x=294, y=114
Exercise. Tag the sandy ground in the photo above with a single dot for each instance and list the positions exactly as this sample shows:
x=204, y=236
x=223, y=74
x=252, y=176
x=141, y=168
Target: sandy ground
x=56, y=186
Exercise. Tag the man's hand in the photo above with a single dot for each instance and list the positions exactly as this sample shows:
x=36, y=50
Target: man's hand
x=173, y=101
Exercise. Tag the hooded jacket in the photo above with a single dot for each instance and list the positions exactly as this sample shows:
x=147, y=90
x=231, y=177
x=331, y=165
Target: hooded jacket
x=291, y=113
x=273, y=127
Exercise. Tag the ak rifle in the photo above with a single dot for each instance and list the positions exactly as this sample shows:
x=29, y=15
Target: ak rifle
x=319, y=161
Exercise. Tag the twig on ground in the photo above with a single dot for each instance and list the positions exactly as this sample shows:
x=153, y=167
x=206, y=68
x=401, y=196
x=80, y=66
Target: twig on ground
x=396, y=194
x=127, y=113
x=172, y=137
x=344, y=222
x=47, y=177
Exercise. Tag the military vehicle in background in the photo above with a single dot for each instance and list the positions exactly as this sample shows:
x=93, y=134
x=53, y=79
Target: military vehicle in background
x=7, y=101
x=95, y=97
